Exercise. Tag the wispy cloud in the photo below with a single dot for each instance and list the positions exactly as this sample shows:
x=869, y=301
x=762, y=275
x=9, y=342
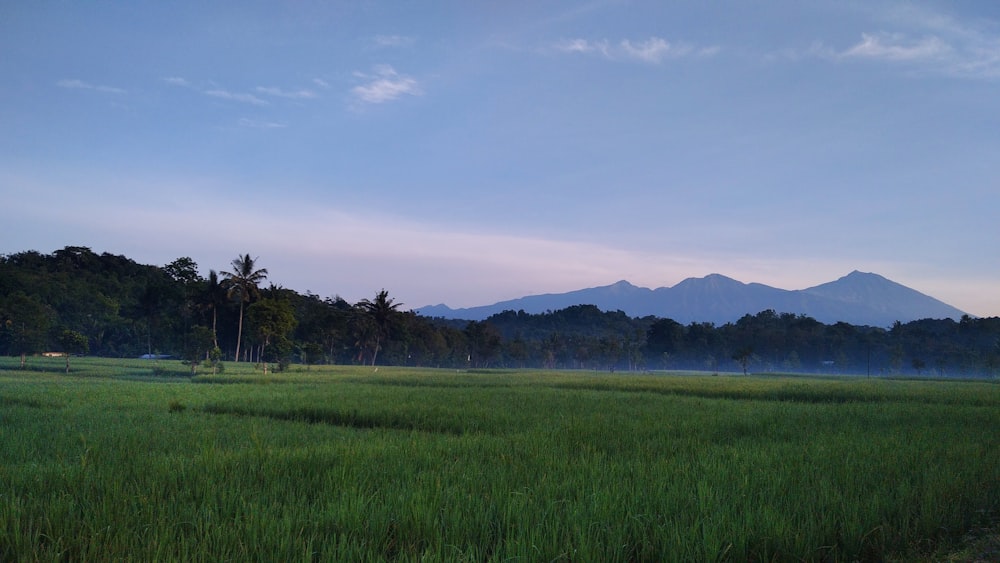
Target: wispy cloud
x=221, y=93
x=248, y=97
x=921, y=40
x=75, y=84
x=652, y=50
x=235, y=96
x=384, y=85
x=584, y=46
x=965, y=56
x=290, y=94
x=897, y=47
x=177, y=81
x=975, y=49
x=393, y=41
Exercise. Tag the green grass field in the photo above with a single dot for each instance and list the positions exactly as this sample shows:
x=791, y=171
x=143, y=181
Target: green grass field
x=121, y=461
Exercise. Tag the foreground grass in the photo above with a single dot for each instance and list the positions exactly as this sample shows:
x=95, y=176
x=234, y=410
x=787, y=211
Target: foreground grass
x=112, y=462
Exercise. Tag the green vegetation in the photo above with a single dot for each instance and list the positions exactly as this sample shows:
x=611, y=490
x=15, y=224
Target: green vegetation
x=76, y=301
x=135, y=460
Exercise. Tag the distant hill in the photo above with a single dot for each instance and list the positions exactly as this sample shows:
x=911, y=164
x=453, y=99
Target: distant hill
x=857, y=298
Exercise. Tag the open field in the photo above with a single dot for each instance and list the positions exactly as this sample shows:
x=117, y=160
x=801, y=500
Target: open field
x=116, y=462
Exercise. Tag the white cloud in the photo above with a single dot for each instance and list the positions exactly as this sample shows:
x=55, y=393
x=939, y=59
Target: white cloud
x=930, y=54
x=924, y=40
x=75, y=84
x=177, y=81
x=975, y=51
x=896, y=47
x=321, y=83
x=952, y=50
x=290, y=94
x=653, y=50
x=384, y=86
x=584, y=46
x=236, y=97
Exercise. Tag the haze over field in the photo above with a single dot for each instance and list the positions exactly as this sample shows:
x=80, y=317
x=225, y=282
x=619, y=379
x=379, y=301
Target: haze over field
x=476, y=152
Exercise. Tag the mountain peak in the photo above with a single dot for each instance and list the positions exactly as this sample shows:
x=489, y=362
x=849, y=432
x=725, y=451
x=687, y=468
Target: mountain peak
x=857, y=274
x=856, y=284
x=858, y=298
x=710, y=281
x=621, y=287
x=883, y=298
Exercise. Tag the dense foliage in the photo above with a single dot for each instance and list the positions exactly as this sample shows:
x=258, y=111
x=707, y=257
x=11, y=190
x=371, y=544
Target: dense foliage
x=77, y=301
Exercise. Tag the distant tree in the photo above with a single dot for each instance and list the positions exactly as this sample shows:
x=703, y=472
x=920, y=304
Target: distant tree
x=610, y=349
x=743, y=356
x=199, y=345
x=272, y=320
x=311, y=353
x=243, y=284
x=485, y=343
x=517, y=351
x=151, y=306
x=663, y=339
x=381, y=311
x=183, y=270
x=792, y=361
x=72, y=342
x=24, y=324
x=363, y=336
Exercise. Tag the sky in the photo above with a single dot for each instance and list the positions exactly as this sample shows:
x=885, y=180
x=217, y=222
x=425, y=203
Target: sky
x=472, y=152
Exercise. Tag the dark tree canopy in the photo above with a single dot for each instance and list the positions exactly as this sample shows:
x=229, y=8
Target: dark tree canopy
x=78, y=301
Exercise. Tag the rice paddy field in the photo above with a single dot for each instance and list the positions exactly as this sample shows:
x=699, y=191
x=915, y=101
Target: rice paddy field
x=131, y=460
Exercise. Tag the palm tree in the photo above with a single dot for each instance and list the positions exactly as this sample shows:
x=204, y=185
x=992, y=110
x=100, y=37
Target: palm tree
x=242, y=284
x=381, y=312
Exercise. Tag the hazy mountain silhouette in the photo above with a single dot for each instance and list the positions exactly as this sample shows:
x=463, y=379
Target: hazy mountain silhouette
x=857, y=298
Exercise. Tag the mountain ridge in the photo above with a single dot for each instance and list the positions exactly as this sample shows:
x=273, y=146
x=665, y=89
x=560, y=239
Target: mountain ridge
x=859, y=298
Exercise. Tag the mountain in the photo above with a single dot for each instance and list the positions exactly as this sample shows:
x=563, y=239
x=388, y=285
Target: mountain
x=618, y=296
x=880, y=299
x=857, y=298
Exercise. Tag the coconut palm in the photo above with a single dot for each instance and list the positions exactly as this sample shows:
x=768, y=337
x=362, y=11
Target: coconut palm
x=380, y=311
x=242, y=283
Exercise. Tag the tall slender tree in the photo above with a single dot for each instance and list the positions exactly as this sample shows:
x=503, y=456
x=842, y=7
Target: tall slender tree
x=382, y=311
x=242, y=284
x=214, y=297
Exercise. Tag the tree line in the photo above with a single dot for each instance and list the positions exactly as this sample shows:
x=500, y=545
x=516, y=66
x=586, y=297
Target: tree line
x=76, y=301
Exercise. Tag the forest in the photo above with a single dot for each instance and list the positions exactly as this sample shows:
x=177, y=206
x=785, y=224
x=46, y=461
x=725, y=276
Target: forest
x=78, y=302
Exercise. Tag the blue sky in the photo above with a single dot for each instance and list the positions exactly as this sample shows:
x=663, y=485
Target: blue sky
x=470, y=152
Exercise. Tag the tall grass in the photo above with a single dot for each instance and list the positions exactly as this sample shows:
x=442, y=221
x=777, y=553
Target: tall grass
x=350, y=464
